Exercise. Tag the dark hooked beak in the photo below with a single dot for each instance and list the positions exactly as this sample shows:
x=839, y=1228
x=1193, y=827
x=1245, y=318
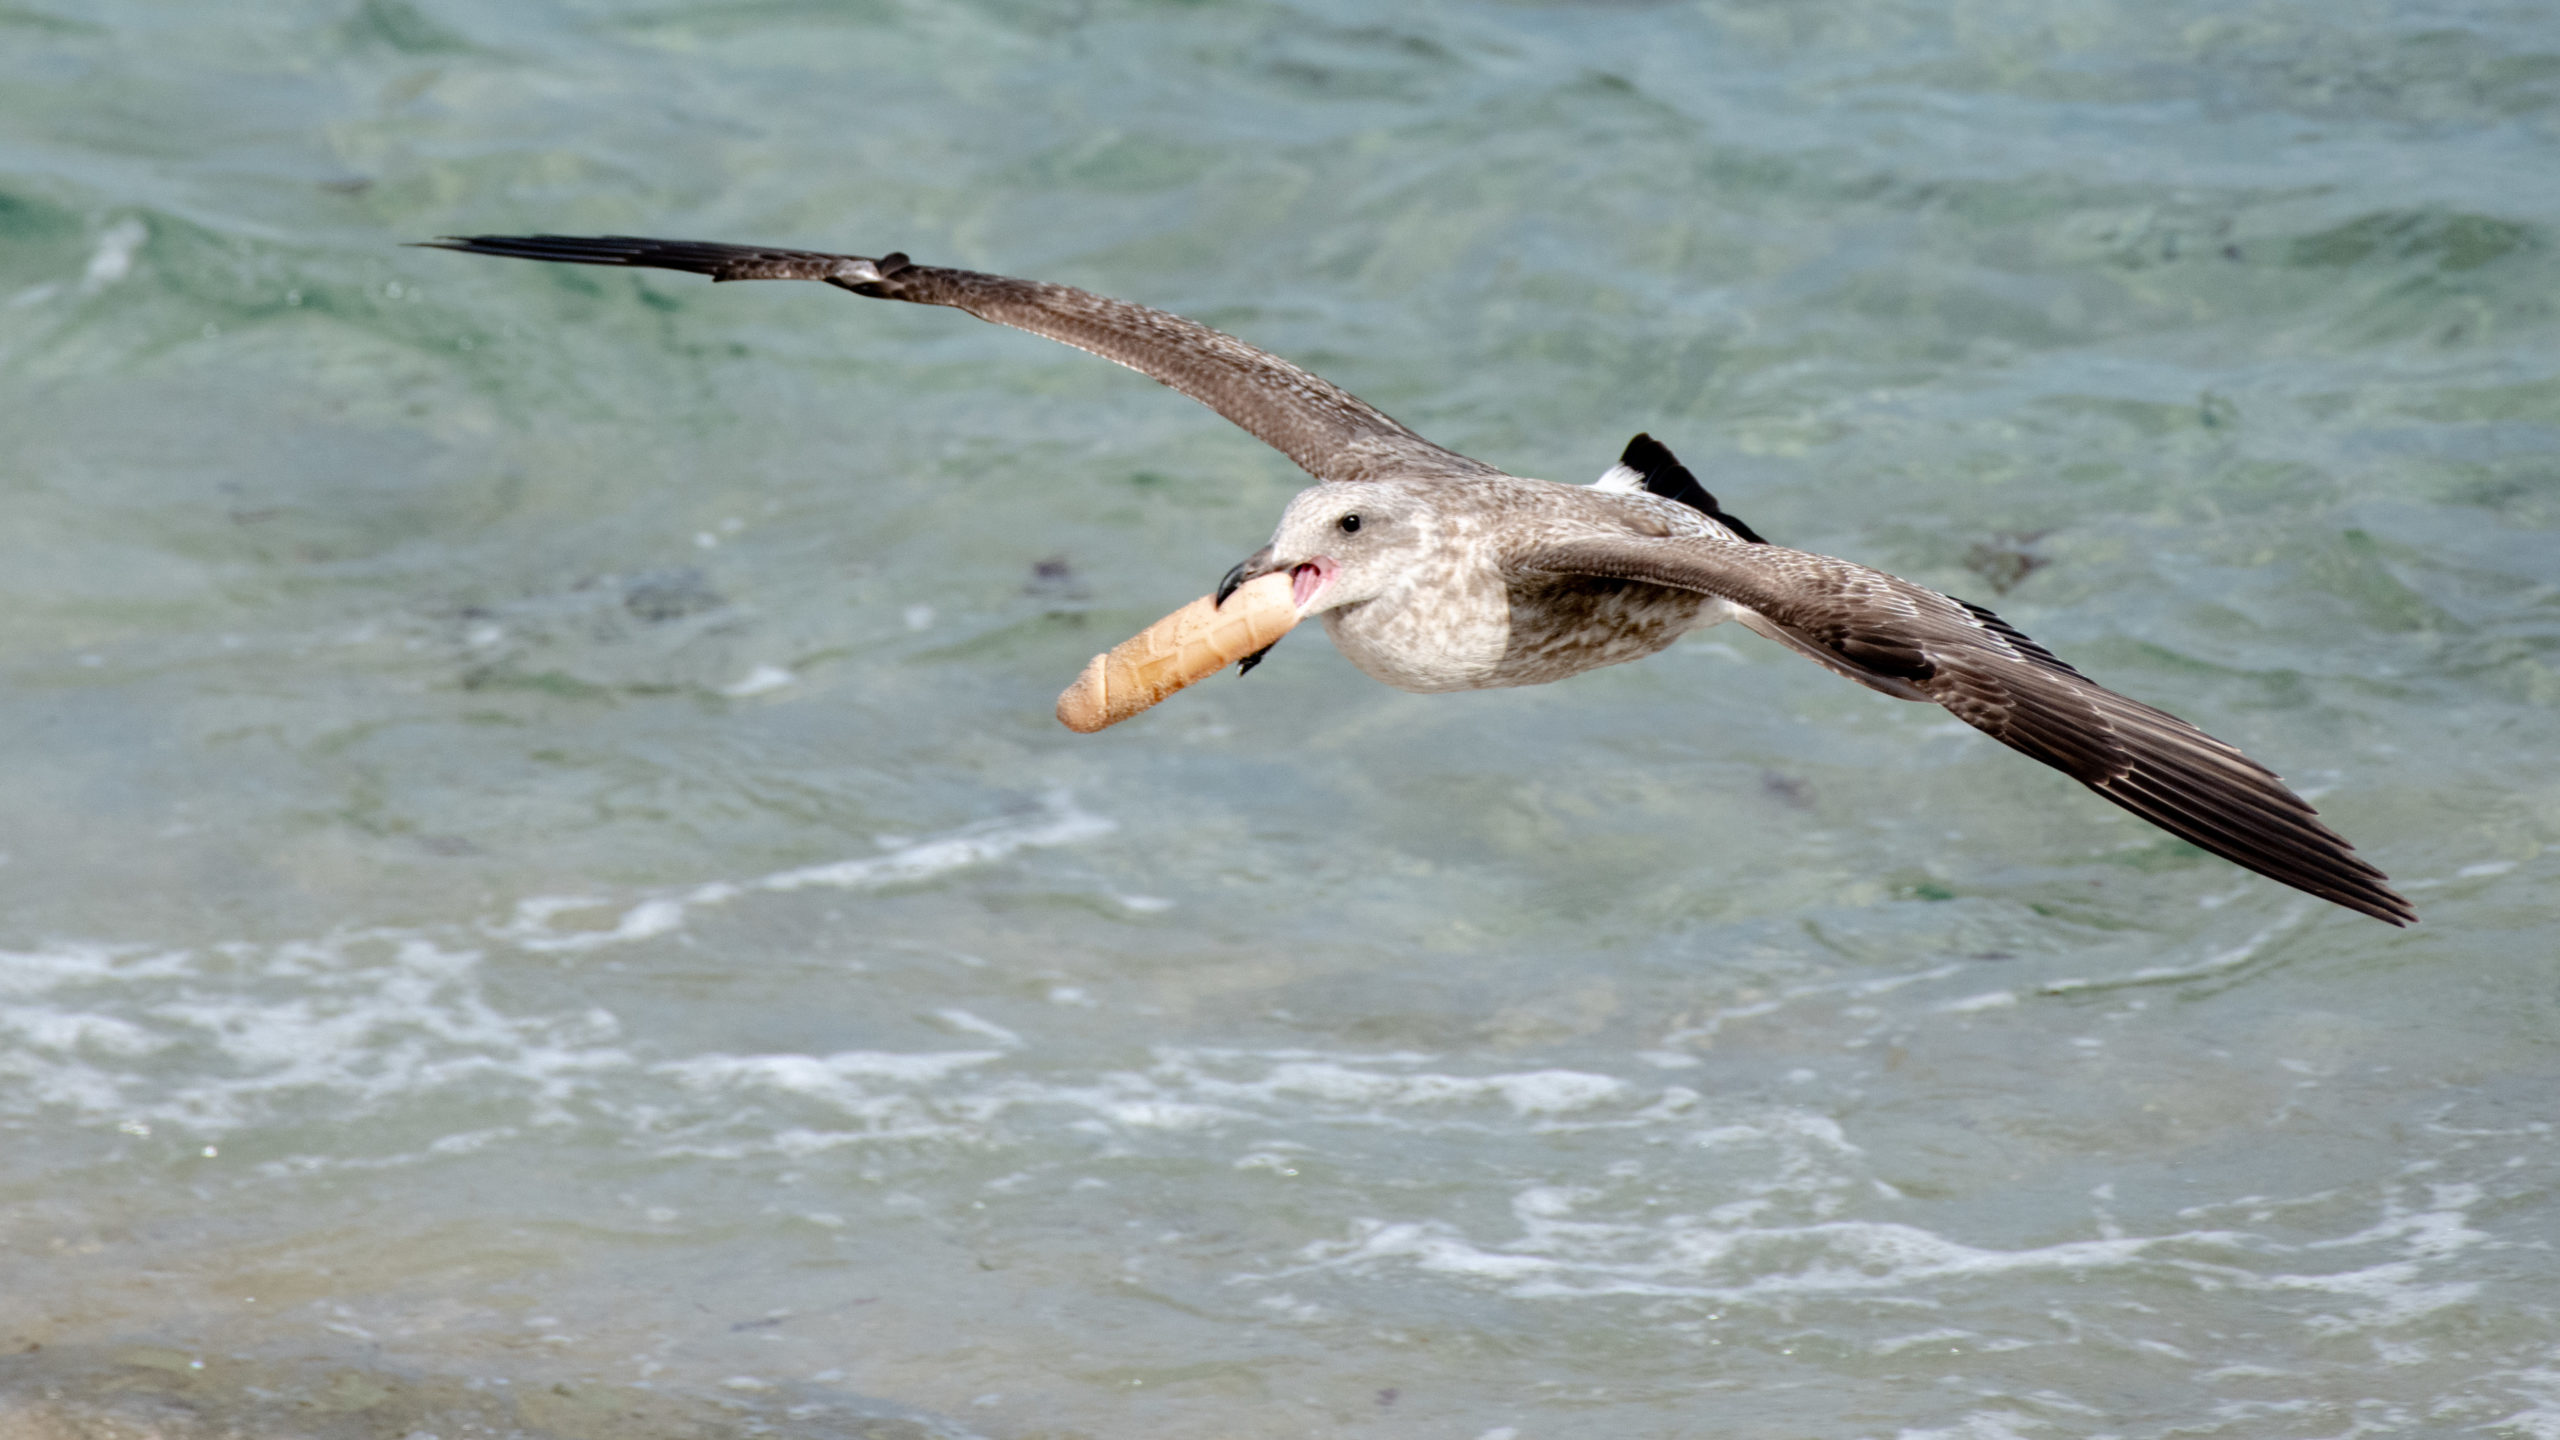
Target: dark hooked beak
x=1252, y=567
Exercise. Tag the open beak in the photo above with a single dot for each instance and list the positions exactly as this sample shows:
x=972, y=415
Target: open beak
x=1306, y=581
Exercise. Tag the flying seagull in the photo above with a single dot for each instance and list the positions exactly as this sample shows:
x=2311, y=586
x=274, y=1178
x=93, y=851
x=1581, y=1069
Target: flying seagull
x=1436, y=572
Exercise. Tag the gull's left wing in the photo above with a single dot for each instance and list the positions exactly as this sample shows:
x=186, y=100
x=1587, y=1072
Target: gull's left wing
x=1331, y=433
x=1912, y=642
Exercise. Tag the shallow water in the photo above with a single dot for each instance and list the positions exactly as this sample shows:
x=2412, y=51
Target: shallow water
x=542, y=889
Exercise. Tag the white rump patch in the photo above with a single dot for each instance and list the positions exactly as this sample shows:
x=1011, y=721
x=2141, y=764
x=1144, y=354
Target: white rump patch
x=1620, y=480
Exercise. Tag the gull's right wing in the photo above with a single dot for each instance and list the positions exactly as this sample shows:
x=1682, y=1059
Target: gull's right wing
x=1331, y=433
x=1914, y=643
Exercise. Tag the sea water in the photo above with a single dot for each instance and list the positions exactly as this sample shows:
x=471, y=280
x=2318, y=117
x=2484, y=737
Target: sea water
x=542, y=892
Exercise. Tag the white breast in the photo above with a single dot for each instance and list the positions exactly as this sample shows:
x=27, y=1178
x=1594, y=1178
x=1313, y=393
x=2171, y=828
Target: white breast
x=1452, y=638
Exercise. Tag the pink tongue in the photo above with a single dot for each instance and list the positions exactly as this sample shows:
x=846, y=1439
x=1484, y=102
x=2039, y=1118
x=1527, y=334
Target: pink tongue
x=1303, y=583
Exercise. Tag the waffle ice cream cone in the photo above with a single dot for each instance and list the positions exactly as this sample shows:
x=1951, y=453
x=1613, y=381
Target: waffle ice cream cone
x=1188, y=645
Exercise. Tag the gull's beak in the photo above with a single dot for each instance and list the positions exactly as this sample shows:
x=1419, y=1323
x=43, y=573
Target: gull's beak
x=1307, y=579
x=1252, y=567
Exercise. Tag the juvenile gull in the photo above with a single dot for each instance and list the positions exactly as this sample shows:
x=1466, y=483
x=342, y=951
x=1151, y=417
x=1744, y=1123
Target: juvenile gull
x=1436, y=572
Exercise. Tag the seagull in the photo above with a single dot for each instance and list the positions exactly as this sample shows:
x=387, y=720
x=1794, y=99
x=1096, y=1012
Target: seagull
x=1435, y=572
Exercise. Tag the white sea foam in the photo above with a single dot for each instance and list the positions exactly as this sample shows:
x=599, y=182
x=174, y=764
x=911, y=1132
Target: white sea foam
x=1551, y=1261
x=868, y=1096
x=28, y=972
x=367, y=1017
x=1707, y=1196
x=2216, y=963
x=762, y=680
x=1973, y=1004
x=2539, y=1387
x=826, y=1077
x=1711, y=1200
x=1367, y=1090
x=1575, y=1242
x=968, y=1024
x=44, y=1028
x=113, y=259
x=2396, y=1290
x=368, y=1020
x=1542, y=1092
x=1951, y=1339
x=532, y=927
x=1977, y=1425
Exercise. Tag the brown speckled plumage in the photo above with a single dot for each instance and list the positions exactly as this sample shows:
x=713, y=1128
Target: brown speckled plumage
x=1442, y=573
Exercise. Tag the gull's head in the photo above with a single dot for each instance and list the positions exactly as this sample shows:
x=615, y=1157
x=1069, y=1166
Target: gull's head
x=1340, y=545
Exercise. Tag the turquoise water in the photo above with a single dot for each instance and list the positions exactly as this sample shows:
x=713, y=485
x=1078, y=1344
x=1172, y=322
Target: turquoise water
x=542, y=890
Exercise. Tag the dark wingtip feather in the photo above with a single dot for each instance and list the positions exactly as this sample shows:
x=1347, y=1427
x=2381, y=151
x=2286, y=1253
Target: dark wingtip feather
x=2159, y=767
x=2244, y=813
x=692, y=257
x=2325, y=866
x=1665, y=476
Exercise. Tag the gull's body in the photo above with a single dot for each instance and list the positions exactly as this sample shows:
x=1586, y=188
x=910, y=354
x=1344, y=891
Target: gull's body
x=1460, y=614
x=1436, y=572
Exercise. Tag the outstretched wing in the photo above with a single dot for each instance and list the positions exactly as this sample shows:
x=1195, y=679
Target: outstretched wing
x=1331, y=433
x=1918, y=644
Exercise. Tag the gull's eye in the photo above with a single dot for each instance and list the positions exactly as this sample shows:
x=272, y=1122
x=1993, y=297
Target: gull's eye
x=1350, y=524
